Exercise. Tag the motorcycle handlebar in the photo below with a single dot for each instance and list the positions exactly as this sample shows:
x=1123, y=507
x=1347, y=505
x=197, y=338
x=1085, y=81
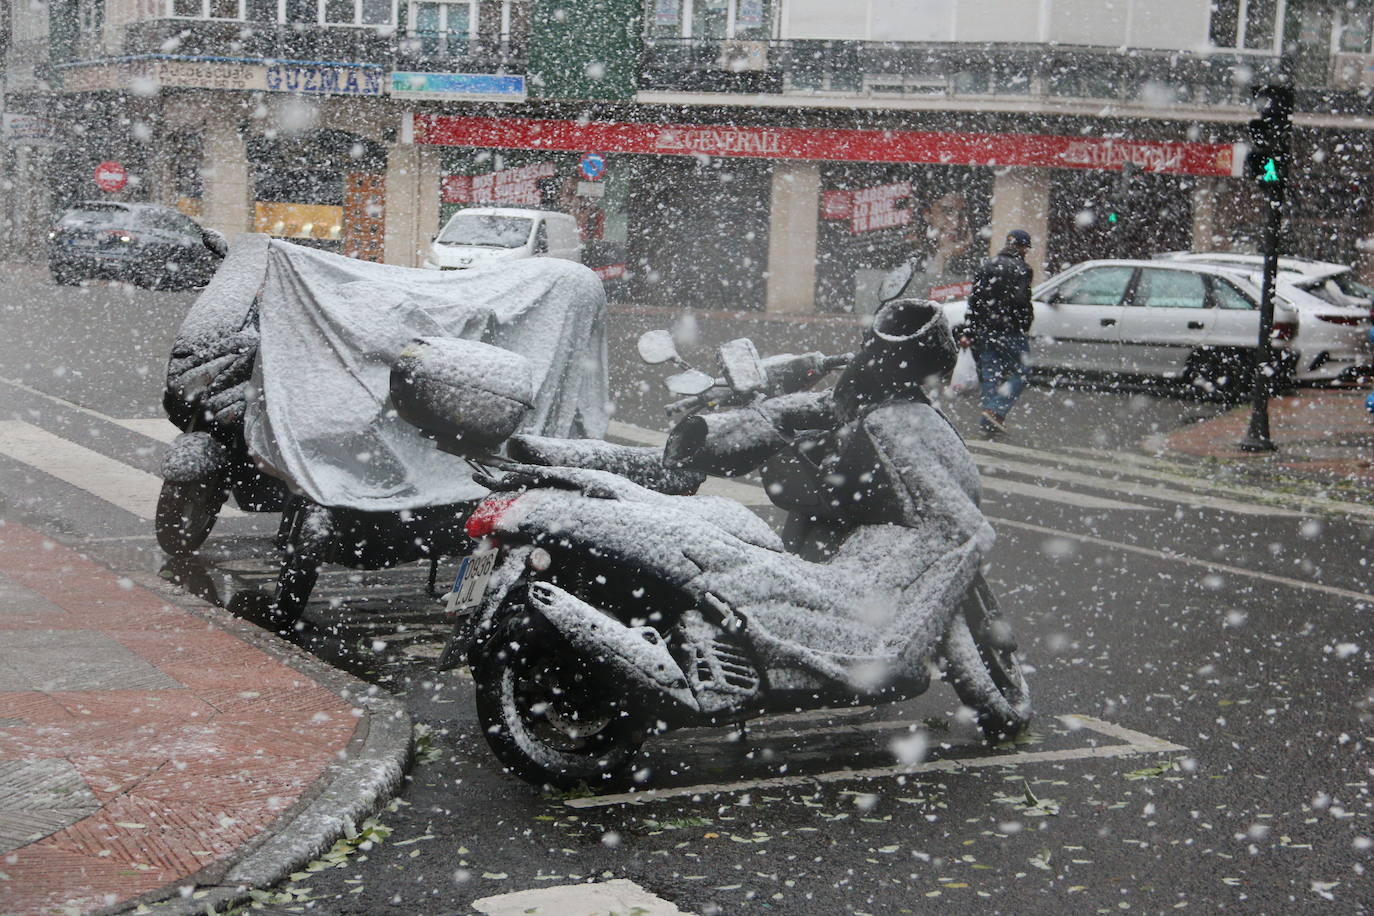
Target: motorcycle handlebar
x=786, y=373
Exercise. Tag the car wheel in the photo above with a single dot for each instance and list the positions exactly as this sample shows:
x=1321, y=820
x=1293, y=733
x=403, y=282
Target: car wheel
x=62, y=276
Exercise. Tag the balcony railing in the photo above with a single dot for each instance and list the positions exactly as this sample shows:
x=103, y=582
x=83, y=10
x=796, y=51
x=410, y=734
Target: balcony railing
x=891, y=70
x=266, y=41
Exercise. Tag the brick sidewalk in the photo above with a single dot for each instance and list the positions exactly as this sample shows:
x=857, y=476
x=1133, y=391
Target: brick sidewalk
x=139, y=744
x=1324, y=434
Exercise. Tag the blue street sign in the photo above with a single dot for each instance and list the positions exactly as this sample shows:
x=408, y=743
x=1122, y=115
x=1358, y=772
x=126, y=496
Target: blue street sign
x=592, y=166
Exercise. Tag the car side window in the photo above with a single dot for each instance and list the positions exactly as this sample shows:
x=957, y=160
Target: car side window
x=1094, y=286
x=1227, y=296
x=1175, y=289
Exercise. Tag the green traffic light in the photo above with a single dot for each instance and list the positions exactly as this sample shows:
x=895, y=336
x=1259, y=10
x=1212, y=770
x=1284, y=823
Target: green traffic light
x=1111, y=217
x=1271, y=172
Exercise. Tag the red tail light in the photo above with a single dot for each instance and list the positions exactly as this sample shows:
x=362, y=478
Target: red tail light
x=483, y=519
x=1284, y=330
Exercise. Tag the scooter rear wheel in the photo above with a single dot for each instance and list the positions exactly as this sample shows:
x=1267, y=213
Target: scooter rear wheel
x=982, y=666
x=185, y=514
x=545, y=713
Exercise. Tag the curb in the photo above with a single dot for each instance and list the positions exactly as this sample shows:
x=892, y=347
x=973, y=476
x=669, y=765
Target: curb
x=351, y=789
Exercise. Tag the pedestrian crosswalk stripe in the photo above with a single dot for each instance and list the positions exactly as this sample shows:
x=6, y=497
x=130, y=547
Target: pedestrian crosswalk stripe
x=154, y=428
x=752, y=495
x=119, y=484
x=1130, y=488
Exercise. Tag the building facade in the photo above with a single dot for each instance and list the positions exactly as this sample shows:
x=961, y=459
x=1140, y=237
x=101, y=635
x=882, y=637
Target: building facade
x=771, y=155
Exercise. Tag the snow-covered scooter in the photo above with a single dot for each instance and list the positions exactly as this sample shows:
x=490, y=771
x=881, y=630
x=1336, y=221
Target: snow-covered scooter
x=604, y=609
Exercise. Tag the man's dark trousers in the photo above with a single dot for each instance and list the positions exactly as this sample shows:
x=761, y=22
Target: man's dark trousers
x=1001, y=362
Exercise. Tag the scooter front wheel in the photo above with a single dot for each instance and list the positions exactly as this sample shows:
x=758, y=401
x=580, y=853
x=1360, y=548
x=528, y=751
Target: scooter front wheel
x=545, y=714
x=185, y=514
x=982, y=666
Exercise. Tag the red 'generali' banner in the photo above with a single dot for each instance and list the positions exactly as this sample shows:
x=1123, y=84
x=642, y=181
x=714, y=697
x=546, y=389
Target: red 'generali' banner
x=1042, y=150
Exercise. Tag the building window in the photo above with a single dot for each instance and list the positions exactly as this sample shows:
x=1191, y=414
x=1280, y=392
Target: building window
x=443, y=28
x=1252, y=25
x=710, y=19
x=207, y=9
x=358, y=12
x=1354, y=28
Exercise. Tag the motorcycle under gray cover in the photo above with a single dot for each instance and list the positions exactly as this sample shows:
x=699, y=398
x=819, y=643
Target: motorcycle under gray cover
x=331, y=328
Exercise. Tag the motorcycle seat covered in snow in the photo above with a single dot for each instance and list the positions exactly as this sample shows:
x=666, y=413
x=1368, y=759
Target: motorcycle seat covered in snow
x=640, y=464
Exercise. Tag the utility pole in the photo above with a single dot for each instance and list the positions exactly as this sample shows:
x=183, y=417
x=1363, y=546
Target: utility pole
x=1268, y=164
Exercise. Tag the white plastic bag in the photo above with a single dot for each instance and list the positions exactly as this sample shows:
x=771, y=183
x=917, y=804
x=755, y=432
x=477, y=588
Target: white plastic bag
x=965, y=377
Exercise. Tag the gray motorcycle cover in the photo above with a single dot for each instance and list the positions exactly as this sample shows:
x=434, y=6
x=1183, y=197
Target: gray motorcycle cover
x=319, y=418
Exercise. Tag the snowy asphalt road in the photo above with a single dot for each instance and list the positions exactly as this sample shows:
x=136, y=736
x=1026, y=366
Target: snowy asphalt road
x=1203, y=619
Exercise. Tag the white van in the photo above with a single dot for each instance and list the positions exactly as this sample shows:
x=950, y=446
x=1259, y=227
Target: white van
x=481, y=235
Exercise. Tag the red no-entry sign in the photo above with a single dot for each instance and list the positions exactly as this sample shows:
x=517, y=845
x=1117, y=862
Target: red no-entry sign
x=111, y=175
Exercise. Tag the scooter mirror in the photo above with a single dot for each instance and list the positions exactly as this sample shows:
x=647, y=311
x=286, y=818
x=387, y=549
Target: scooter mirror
x=897, y=280
x=740, y=363
x=657, y=347
x=215, y=241
x=688, y=383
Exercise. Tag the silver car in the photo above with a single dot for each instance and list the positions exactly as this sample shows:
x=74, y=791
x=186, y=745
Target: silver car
x=1159, y=319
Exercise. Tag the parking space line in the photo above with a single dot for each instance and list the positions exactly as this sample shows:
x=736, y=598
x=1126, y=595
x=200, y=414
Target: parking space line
x=1132, y=743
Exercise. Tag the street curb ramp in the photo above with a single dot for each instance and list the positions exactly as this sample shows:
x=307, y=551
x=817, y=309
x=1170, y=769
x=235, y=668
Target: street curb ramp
x=351, y=789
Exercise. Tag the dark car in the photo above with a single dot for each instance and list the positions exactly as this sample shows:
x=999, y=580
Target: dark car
x=144, y=244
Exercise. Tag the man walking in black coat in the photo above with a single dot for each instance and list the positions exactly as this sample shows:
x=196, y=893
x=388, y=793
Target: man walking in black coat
x=998, y=321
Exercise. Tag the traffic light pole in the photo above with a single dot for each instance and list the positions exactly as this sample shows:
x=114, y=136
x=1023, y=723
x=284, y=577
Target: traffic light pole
x=1257, y=436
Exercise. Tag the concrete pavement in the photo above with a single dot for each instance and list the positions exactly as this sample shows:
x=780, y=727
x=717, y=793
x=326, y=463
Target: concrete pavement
x=152, y=749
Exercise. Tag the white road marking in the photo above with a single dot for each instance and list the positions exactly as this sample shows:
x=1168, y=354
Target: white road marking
x=1052, y=494
x=1362, y=597
x=604, y=898
x=164, y=431
x=1132, y=489
x=1133, y=743
x=1120, y=463
x=119, y=484
x=105, y=478
x=751, y=495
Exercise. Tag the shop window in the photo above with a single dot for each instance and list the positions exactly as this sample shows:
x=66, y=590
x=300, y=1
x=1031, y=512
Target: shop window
x=1251, y=25
x=443, y=28
x=711, y=19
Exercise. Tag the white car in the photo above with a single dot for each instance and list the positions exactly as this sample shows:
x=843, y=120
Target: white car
x=1159, y=319
x=1334, y=311
x=477, y=236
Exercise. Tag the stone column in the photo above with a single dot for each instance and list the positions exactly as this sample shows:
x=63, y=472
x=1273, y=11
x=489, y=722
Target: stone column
x=793, y=218
x=227, y=197
x=412, y=202
x=1021, y=200
x=1205, y=215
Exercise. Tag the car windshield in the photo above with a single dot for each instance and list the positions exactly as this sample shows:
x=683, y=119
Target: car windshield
x=1347, y=284
x=486, y=231
x=95, y=216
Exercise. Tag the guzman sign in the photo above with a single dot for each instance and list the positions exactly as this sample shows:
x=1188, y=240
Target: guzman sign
x=324, y=79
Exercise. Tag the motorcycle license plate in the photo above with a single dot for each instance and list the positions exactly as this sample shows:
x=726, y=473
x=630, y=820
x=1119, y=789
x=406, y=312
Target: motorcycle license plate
x=470, y=585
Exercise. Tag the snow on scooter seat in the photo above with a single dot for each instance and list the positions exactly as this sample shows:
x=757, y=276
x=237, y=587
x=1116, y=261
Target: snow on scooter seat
x=874, y=613
x=331, y=328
